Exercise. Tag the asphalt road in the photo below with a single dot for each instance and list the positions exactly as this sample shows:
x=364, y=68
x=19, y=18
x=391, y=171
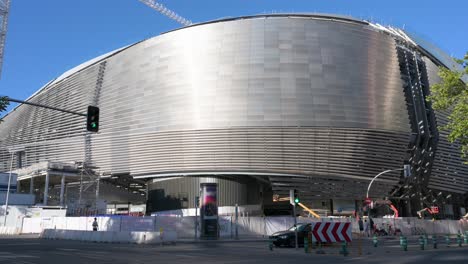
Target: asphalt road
x=29, y=250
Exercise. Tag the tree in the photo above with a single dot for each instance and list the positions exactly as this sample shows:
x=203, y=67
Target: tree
x=452, y=94
x=3, y=104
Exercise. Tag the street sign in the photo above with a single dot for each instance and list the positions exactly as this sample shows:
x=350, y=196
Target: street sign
x=331, y=232
x=367, y=201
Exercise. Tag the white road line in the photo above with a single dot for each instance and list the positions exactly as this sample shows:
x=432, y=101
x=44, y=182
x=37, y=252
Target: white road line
x=8, y=255
x=19, y=244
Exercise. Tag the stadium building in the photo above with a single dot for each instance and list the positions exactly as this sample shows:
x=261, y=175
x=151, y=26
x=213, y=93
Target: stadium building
x=258, y=104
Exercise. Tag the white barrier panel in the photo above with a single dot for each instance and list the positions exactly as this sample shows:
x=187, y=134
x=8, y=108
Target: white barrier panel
x=9, y=230
x=111, y=237
x=184, y=227
x=31, y=225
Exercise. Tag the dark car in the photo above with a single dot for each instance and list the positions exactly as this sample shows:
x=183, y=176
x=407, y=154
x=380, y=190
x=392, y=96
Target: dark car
x=287, y=237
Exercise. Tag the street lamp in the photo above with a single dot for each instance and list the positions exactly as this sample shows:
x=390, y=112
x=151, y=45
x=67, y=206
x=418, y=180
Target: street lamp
x=407, y=172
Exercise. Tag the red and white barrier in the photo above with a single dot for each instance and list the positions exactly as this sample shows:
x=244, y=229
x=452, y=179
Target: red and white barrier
x=331, y=232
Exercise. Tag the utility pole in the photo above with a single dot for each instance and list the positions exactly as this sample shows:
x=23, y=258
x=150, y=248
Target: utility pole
x=293, y=199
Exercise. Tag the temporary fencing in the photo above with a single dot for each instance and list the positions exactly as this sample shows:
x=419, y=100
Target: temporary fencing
x=247, y=227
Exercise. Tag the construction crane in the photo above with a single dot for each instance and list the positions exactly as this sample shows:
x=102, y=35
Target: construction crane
x=276, y=198
x=167, y=12
x=4, y=11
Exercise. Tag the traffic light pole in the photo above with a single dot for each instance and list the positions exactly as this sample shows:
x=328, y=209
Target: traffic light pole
x=43, y=106
x=295, y=225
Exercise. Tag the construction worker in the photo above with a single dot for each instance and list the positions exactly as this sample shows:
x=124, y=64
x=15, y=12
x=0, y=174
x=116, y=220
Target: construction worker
x=95, y=224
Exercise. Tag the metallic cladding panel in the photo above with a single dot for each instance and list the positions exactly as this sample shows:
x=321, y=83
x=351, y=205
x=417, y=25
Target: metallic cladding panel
x=277, y=95
x=448, y=171
x=230, y=191
x=259, y=72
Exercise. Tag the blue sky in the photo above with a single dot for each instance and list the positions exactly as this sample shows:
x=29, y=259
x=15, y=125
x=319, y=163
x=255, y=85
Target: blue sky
x=45, y=38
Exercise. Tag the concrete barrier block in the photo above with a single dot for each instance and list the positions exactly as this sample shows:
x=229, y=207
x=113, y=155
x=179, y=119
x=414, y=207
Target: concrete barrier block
x=137, y=237
x=45, y=234
x=67, y=235
x=86, y=235
x=106, y=237
x=122, y=237
x=59, y=234
x=94, y=236
x=170, y=236
x=152, y=238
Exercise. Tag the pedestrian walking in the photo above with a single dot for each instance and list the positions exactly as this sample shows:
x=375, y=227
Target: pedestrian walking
x=361, y=225
x=366, y=228
x=95, y=224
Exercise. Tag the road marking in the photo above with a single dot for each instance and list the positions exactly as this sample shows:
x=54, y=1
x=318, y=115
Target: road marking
x=68, y=249
x=8, y=255
x=19, y=244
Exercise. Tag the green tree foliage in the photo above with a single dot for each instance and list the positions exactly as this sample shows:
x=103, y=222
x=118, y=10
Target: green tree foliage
x=3, y=104
x=452, y=94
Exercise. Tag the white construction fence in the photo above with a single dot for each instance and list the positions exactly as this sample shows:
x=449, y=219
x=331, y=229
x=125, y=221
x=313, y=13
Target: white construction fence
x=247, y=227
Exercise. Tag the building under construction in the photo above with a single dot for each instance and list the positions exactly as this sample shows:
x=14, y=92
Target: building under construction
x=258, y=104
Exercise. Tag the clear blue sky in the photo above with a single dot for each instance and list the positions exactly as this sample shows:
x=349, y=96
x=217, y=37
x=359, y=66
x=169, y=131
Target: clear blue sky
x=47, y=37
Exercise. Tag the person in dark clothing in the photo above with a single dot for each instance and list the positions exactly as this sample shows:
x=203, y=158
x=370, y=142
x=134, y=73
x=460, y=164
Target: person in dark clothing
x=95, y=224
x=361, y=225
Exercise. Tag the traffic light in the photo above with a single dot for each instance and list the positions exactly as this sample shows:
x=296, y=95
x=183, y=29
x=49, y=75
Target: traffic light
x=92, y=120
x=296, y=197
x=293, y=197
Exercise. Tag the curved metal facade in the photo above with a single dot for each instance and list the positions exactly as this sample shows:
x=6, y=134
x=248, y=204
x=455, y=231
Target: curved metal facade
x=305, y=102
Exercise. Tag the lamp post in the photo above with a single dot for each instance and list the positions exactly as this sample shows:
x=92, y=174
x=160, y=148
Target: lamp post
x=406, y=168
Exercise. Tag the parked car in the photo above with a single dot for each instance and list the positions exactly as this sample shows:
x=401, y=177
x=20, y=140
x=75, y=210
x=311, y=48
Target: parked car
x=287, y=237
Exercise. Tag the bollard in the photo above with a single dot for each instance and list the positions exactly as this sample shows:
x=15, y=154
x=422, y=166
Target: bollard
x=425, y=240
x=270, y=244
x=311, y=241
x=434, y=241
x=466, y=237
x=344, y=249
x=459, y=239
x=421, y=242
x=320, y=250
x=306, y=245
x=447, y=240
x=404, y=243
x=375, y=241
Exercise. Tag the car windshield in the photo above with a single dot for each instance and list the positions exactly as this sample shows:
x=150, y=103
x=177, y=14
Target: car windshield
x=300, y=227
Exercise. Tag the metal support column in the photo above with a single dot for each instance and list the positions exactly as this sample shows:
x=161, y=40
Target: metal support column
x=46, y=188
x=62, y=189
x=237, y=221
x=31, y=185
x=295, y=227
x=8, y=189
x=97, y=192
